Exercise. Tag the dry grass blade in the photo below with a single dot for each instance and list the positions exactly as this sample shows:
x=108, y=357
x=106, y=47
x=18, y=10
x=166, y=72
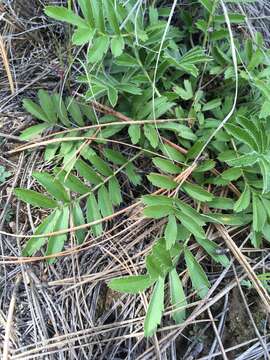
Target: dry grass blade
x=6, y=65
x=8, y=326
x=262, y=292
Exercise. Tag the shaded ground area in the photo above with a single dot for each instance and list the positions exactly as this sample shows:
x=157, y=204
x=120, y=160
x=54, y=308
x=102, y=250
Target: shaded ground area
x=65, y=310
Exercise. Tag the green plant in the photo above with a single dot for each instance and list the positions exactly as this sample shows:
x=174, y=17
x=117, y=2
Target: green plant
x=173, y=83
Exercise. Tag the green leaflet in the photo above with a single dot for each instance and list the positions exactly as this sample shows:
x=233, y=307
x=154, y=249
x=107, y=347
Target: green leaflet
x=170, y=233
x=190, y=212
x=87, y=172
x=166, y=166
x=211, y=248
x=52, y=185
x=231, y=174
x=157, y=211
x=87, y=11
x=159, y=262
x=47, y=105
x=157, y=200
x=162, y=181
x=178, y=298
x=131, y=284
x=63, y=14
x=256, y=239
x=243, y=160
x=243, y=202
x=36, y=199
x=78, y=219
x=134, y=132
x=101, y=165
x=229, y=219
x=242, y=135
x=265, y=169
x=72, y=182
x=221, y=203
x=56, y=243
x=172, y=153
x=82, y=36
x=155, y=309
x=115, y=191
x=198, y=277
x=35, y=110
x=259, y=213
x=117, y=46
x=46, y=227
x=98, y=16
x=104, y=202
x=197, y=192
x=75, y=111
x=190, y=224
x=98, y=49
x=33, y=131
x=208, y=5
x=151, y=134
x=93, y=214
x=111, y=15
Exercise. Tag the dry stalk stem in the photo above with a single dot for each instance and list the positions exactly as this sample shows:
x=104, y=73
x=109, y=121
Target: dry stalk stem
x=6, y=65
